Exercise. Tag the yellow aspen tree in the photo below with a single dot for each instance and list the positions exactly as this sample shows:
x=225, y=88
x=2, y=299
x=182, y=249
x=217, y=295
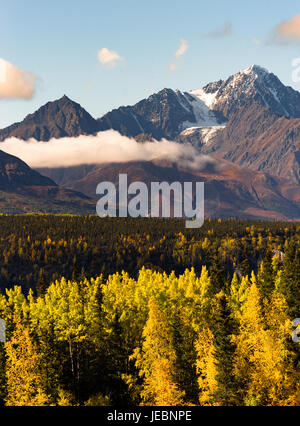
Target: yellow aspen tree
x=22, y=370
x=249, y=343
x=238, y=293
x=264, y=361
x=206, y=367
x=277, y=365
x=156, y=361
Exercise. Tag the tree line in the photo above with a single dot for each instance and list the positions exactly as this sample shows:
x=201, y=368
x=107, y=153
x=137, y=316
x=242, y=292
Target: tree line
x=37, y=249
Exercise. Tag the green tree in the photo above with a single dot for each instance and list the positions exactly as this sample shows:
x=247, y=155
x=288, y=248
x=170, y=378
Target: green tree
x=266, y=278
x=41, y=284
x=289, y=284
x=223, y=328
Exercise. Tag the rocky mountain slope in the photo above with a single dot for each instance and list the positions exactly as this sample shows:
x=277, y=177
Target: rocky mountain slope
x=163, y=114
x=15, y=173
x=57, y=119
x=229, y=190
x=251, y=119
x=263, y=129
x=25, y=190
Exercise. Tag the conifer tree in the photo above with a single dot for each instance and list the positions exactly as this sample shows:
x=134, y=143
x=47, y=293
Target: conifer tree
x=184, y=344
x=245, y=264
x=41, y=284
x=223, y=329
x=266, y=278
x=74, y=269
x=289, y=284
x=217, y=274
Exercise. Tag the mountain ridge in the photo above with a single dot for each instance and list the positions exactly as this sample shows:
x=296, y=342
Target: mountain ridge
x=229, y=189
x=25, y=190
x=55, y=119
x=250, y=119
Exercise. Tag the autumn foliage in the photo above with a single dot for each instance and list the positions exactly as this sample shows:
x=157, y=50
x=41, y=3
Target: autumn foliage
x=214, y=334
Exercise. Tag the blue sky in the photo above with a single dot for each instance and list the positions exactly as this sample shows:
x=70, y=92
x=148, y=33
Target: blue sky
x=59, y=41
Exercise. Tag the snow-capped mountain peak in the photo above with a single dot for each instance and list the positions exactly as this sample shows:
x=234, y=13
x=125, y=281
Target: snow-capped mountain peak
x=255, y=70
x=253, y=84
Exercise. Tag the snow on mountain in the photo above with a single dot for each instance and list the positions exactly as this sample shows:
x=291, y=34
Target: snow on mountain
x=204, y=116
x=168, y=113
x=254, y=83
x=207, y=98
x=138, y=123
x=206, y=134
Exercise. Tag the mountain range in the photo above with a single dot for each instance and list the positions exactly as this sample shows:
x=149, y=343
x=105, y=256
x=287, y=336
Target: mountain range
x=249, y=124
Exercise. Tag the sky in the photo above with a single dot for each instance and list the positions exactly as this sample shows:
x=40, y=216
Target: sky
x=104, y=54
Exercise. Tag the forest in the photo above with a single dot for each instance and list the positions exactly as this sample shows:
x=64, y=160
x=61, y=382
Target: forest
x=110, y=311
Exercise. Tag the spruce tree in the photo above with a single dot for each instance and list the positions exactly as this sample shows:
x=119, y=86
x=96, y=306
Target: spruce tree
x=266, y=279
x=290, y=283
x=41, y=287
x=217, y=273
x=223, y=329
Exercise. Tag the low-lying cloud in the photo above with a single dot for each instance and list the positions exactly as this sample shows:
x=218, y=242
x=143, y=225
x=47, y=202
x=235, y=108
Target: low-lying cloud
x=15, y=83
x=105, y=147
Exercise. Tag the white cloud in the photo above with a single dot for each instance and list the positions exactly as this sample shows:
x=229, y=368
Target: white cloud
x=182, y=48
x=15, y=83
x=105, y=147
x=108, y=57
x=288, y=30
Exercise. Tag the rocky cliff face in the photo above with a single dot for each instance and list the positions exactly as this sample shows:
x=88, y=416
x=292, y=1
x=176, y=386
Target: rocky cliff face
x=163, y=115
x=130, y=123
x=252, y=85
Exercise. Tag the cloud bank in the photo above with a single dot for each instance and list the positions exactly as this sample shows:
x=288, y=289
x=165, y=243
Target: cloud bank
x=15, y=83
x=108, y=57
x=105, y=147
x=288, y=31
